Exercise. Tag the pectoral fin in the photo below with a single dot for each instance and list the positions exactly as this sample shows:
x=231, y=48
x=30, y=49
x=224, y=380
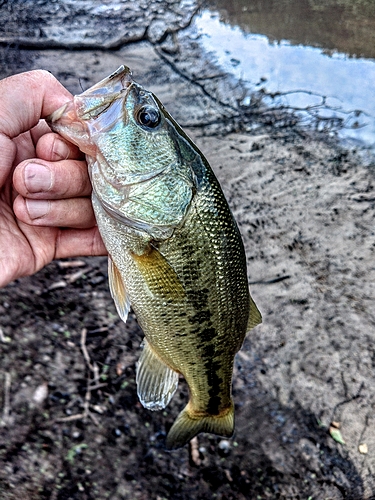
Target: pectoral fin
x=254, y=316
x=156, y=382
x=160, y=277
x=118, y=291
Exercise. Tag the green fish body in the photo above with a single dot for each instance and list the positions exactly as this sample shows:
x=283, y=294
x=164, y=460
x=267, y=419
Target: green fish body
x=175, y=252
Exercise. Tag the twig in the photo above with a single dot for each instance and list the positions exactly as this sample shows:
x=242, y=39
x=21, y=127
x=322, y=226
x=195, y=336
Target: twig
x=63, y=264
x=73, y=277
x=78, y=416
x=84, y=350
x=92, y=384
x=93, y=418
x=98, y=386
x=6, y=409
x=194, y=451
x=99, y=330
x=57, y=284
x=270, y=281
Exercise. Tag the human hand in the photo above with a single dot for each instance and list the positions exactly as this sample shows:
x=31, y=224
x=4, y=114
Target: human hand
x=45, y=206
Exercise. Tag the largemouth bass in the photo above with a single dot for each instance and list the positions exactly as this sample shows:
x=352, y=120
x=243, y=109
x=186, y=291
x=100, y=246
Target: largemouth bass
x=175, y=252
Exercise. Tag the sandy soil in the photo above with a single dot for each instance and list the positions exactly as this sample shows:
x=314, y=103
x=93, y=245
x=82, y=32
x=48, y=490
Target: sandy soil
x=71, y=425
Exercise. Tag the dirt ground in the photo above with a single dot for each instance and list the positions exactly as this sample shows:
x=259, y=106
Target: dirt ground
x=71, y=426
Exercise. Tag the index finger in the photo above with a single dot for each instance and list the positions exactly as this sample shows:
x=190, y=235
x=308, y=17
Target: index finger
x=25, y=98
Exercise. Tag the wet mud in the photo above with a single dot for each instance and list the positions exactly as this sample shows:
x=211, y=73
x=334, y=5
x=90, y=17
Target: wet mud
x=71, y=424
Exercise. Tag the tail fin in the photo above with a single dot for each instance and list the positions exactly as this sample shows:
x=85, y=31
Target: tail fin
x=186, y=426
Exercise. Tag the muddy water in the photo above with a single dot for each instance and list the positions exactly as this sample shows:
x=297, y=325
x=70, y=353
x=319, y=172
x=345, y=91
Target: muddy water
x=305, y=49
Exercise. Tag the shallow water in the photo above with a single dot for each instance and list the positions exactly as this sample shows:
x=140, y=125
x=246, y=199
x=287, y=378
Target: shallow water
x=306, y=50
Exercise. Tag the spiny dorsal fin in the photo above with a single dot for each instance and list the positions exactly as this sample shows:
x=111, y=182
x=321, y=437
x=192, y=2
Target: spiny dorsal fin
x=118, y=291
x=156, y=382
x=254, y=316
x=160, y=277
x=187, y=425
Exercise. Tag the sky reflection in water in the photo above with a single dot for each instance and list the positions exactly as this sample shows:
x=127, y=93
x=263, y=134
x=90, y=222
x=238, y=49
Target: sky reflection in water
x=347, y=82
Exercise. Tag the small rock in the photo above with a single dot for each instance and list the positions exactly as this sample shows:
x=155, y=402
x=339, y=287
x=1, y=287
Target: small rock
x=363, y=448
x=224, y=446
x=41, y=393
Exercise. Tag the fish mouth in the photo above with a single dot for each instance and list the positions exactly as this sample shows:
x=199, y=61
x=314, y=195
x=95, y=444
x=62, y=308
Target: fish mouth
x=71, y=119
x=97, y=99
x=122, y=76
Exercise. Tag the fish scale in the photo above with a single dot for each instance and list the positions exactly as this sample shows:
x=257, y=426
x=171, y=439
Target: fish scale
x=175, y=252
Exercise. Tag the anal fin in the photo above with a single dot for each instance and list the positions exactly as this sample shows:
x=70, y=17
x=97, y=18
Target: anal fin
x=118, y=291
x=156, y=382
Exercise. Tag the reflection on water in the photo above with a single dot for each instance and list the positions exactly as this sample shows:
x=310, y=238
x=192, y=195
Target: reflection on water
x=346, y=26
x=311, y=46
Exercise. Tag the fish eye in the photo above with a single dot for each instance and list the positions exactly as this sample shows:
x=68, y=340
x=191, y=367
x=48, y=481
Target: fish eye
x=148, y=116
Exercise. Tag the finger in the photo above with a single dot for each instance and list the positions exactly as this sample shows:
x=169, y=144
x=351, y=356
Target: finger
x=21, y=109
x=28, y=141
x=25, y=147
x=43, y=180
x=41, y=129
x=52, y=147
x=78, y=242
x=73, y=213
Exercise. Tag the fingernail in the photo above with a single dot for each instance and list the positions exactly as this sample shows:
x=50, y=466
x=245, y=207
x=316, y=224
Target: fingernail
x=38, y=178
x=60, y=149
x=37, y=208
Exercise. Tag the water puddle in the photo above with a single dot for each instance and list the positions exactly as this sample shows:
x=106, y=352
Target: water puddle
x=318, y=60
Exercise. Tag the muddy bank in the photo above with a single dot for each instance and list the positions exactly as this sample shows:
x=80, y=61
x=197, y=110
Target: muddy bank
x=72, y=427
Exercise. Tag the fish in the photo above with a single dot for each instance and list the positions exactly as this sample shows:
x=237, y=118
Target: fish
x=176, y=255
